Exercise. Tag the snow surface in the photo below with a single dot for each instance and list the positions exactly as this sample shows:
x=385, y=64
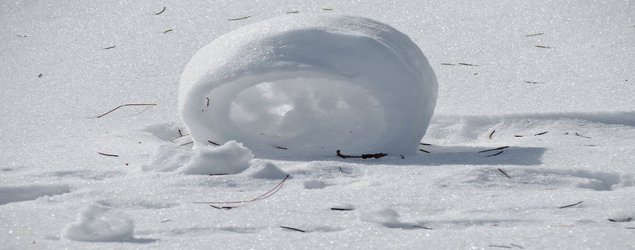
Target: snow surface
x=577, y=86
x=278, y=86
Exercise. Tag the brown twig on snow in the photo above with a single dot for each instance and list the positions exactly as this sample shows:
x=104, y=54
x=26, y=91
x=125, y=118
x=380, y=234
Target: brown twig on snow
x=495, y=154
x=500, y=246
x=111, y=155
x=238, y=18
x=364, y=156
x=160, y=12
x=327, y=9
x=278, y=147
x=448, y=64
x=111, y=47
x=542, y=47
x=168, y=30
x=187, y=143
x=425, y=151
x=342, y=209
x=126, y=105
x=504, y=173
x=293, y=12
x=424, y=144
x=493, y=149
x=541, y=133
x=576, y=133
x=490, y=134
x=234, y=204
x=571, y=205
x=468, y=64
x=213, y=143
x=293, y=229
x=536, y=34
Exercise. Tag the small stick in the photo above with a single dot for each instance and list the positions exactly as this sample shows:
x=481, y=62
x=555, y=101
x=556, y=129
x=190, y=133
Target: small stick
x=111, y=155
x=223, y=207
x=22, y=36
x=342, y=209
x=500, y=246
x=111, y=47
x=621, y=220
x=448, y=64
x=213, y=143
x=160, y=12
x=468, y=64
x=238, y=18
x=164, y=221
x=542, y=47
x=293, y=12
x=536, y=34
x=582, y=136
x=504, y=173
x=278, y=147
x=168, y=30
x=293, y=229
x=126, y=105
x=425, y=151
x=188, y=143
x=327, y=9
x=40, y=75
x=532, y=82
x=518, y=246
x=541, y=133
x=422, y=227
x=495, y=154
x=425, y=144
x=490, y=134
x=571, y=205
x=493, y=149
x=364, y=156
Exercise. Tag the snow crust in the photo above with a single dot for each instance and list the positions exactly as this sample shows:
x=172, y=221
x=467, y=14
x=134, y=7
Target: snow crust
x=310, y=85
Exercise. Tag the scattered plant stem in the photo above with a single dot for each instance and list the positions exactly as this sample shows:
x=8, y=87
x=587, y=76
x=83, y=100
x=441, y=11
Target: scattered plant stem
x=542, y=47
x=503, y=172
x=111, y=47
x=495, y=154
x=628, y=219
x=425, y=151
x=448, y=64
x=327, y=9
x=293, y=229
x=518, y=246
x=213, y=143
x=293, y=12
x=164, y=221
x=126, y=105
x=364, y=156
x=234, y=204
x=187, y=143
x=536, y=34
x=342, y=209
x=468, y=64
x=532, y=82
x=238, y=18
x=490, y=134
x=493, y=149
x=160, y=12
x=541, y=133
x=425, y=144
x=168, y=30
x=111, y=155
x=500, y=246
x=278, y=147
x=571, y=205
x=582, y=136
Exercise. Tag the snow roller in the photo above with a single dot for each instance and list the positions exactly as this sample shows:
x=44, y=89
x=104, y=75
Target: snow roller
x=309, y=85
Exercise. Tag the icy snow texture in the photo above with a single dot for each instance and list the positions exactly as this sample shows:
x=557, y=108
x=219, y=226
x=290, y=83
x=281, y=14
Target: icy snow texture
x=230, y=158
x=99, y=223
x=309, y=85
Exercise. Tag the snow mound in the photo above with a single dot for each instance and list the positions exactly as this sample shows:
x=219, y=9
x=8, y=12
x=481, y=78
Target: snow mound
x=99, y=224
x=269, y=171
x=309, y=85
x=230, y=158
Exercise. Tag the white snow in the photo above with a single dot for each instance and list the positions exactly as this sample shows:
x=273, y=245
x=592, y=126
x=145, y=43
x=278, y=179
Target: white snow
x=565, y=110
x=229, y=158
x=311, y=84
x=98, y=223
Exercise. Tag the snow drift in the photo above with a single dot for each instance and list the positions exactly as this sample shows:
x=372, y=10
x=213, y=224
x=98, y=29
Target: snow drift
x=309, y=85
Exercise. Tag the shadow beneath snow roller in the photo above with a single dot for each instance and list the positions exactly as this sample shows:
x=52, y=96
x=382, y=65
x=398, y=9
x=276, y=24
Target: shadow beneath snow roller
x=460, y=155
x=444, y=155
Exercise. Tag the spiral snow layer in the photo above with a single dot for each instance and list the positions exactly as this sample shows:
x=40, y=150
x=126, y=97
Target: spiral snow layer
x=310, y=85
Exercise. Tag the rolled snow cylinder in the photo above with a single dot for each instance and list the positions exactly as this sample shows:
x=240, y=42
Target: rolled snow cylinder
x=308, y=85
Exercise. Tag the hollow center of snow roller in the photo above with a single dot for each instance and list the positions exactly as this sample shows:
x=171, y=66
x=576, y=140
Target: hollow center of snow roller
x=306, y=113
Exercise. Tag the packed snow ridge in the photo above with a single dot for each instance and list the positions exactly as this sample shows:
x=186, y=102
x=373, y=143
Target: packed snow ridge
x=308, y=86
